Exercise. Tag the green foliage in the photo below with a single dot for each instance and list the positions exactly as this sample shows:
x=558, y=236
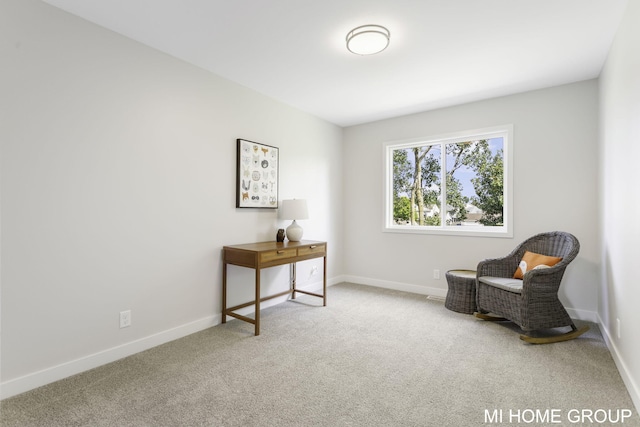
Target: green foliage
x=432, y=220
x=488, y=185
x=431, y=180
x=402, y=209
x=456, y=202
x=402, y=173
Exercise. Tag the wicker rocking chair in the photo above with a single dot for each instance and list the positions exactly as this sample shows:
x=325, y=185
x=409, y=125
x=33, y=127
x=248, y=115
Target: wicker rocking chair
x=531, y=302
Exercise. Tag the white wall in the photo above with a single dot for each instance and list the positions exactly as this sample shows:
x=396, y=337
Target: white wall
x=118, y=183
x=555, y=188
x=620, y=201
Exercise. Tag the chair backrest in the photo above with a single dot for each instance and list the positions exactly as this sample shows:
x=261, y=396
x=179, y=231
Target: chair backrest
x=554, y=243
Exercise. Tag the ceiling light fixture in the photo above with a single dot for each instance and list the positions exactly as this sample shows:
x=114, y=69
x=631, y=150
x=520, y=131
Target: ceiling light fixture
x=368, y=39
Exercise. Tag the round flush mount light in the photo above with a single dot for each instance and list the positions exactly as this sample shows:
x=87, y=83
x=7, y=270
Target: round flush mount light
x=368, y=39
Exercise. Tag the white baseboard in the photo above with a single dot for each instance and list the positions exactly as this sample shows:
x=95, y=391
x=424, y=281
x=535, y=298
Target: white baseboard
x=586, y=315
x=397, y=286
x=632, y=387
x=46, y=376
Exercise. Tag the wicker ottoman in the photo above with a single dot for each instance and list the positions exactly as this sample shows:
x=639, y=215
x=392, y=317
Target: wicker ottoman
x=461, y=296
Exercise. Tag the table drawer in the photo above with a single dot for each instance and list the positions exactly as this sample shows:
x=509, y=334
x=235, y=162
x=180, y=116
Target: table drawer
x=276, y=255
x=312, y=249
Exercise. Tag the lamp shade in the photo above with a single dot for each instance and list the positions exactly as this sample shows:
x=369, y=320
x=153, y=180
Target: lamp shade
x=294, y=209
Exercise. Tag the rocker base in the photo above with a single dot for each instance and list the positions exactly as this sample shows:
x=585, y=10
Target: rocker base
x=575, y=333
x=490, y=318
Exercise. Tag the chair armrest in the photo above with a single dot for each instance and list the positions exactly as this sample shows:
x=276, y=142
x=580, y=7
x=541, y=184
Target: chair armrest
x=543, y=279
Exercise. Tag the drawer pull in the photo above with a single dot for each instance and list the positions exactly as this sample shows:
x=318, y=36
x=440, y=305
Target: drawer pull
x=279, y=252
x=312, y=247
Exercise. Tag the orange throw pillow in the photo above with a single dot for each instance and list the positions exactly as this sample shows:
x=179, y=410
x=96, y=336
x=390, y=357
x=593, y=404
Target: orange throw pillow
x=531, y=260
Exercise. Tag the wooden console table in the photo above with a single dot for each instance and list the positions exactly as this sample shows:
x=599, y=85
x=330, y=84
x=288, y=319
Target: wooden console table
x=270, y=254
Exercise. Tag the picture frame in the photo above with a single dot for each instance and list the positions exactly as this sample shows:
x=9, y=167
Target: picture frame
x=257, y=168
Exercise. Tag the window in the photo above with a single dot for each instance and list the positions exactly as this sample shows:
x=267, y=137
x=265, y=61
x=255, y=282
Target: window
x=452, y=184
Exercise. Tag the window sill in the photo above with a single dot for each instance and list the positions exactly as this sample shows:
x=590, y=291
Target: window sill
x=467, y=231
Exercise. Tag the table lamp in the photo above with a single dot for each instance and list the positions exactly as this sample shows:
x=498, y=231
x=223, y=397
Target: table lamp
x=294, y=209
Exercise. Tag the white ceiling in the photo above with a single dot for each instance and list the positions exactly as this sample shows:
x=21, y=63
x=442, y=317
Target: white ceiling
x=442, y=52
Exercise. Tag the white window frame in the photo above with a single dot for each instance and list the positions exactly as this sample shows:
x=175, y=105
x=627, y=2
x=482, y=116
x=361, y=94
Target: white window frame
x=506, y=230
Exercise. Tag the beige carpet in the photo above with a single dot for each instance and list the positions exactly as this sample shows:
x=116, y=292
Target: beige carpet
x=372, y=357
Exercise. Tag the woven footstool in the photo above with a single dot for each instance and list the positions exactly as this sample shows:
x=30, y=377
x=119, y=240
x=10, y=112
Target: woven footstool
x=461, y=296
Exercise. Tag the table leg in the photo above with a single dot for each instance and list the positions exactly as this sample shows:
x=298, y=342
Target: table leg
x=324, y=283
x=293, y=280
x=257, y=330
x=224, y=292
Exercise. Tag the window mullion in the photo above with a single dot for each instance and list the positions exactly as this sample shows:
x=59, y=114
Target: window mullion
x=443, y=185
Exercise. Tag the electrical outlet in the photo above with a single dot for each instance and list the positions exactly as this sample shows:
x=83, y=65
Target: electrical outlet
x=125, y=319
x=618, y=328
x=314, y=270
x=436, y=274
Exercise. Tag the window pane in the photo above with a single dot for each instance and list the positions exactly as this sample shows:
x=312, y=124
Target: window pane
x=475, y=184
x=416, y=185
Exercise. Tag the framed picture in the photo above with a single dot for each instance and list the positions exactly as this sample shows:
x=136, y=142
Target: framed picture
x=257, y=175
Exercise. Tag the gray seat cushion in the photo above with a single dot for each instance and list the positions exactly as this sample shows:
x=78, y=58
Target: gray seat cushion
x=506, y=283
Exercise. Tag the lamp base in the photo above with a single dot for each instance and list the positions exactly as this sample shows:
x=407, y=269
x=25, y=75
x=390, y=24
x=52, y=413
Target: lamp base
x=294, y=232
